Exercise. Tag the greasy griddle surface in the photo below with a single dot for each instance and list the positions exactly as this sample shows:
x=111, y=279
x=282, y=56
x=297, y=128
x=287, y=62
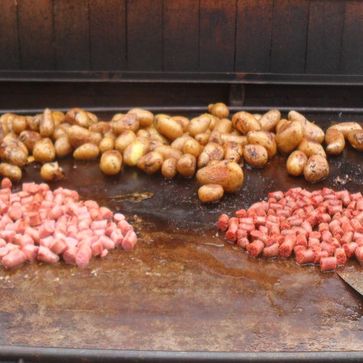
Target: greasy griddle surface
x=182, y=288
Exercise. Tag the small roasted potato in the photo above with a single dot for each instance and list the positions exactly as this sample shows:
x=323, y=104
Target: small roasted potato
x=155, y=135
x=257, y=116
x=316, y=169
x=245, y=122
x=186, y=165
x=62, y=146
x=228, y=174
x=255, y=155
x=46, y=124
x=6, y=122
x=192, y=147
x=169, y=128
x=12, y=172
x=199, y=125
x=86, y=151
x=203, y=160
x=58, y=117
x=151, y=162
x=280, y=124
x=143, y=133
x=289, y=136
x=310, y=148
x=183, y=122
x=80, y=117
x=144, y=117
x=313, y=132
x=44, y=151
x=335, y=141
x=59, y=132
x=233, y=151
x=51, y=172
x=19, y=124
x=101, y=127
x=95, y=138
x=111, y=162
x=168, y=169
x=210, y=193
x=107, y=143
x=78, y=135
x=346, y=127
x=224, y=126
x=269, y=120
x=121, y=122
x=168, y=152
x=355, y=138
x=214, y=151
x=203, y=137
x=33, y=122
x=134, y=151
x=264, y=138
x=238, y=139
x=216, y=137
x=296, y=116
x=15, y=155
x=218, y=109
x=29, y=138
x=296, y=162
x=179, y=142
x=124, y=140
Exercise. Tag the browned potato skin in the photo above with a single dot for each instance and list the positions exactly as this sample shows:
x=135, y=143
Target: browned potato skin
x=186, y=165
x=62, y=147
x=143, y=133
x=289, y=136
x=255, y=155
x=210, y=193
x=311, y=131
x=80, y=117
x=58, y=117
x=12, y=172
x=107, y=143
x=29, y=138
x=44, y=151
x=224, y=126
x=169, y=128
x=269, y=120
x=202, y=138
x=316, y=169
x=120, y=123
x=182, y=121
x=101, y=127
x=216, y=137
x=192, y=147
x=218, y=109
x=203, y=160
x=239, y=139
x=168, y=169
x=46, y=125
x=19, y=124
x=59, y=132
x=151, y=162
x=134, y=151
x=124, y=140
x=233, y=151
x=245, y=122
x=95, y=138
x=86, y=151
x=144, y=117
x=296, y=162
x=111, y=162
x=168, y=152
x=355, y=138
x=335, y=141
x=310, y=148
x=15, y=155
x=280, y=124
x=178, y=143
x=6, y=122
x=265, y=139
x=346, y=127
x=33, y=122
x=214, y=151
x=78, y=135
x=199, y=125
x=228, y=174
x=51, y=172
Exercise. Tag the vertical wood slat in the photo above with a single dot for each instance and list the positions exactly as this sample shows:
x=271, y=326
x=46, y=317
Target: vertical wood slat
x=9, y=48
x=72, y=34
x=181, y=32
x=144, y=35
x=326, y=20
x=107, y=34
x=289, y=35
x=352, y=49
x=36, y=34
x=217, y=35
x=253, y=40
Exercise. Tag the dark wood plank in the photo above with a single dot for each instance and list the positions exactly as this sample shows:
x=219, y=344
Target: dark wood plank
x=289, y=32
x=36, y=34
x=217, y=35
x=326, y=19
x=253, y=39
x=72, y=34
x=144, y=35
x=181, y=33
x=108, y=32
x=9, y=50
x=352, y=54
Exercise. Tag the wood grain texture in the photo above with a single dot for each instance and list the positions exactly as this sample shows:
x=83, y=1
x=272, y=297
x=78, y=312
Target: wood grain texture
x=253, y=39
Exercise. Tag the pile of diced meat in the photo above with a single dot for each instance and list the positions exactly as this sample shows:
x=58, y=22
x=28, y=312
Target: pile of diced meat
x=37, y=224
x=322, y=227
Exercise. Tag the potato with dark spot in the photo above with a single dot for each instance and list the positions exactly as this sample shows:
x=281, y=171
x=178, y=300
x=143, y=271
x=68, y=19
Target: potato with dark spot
x=80, y=117
x=86, y=151
x=179, y=142
x=124, y=139
x=233, y=151
x=355, y=137
x=12, y=172
x=289, y=136
x=224, y=126
x=316, y=169
x=199, y=125
x=269, y=120
x=19, y=124
x=169, y=128
x=203, y=137
x=46, y=124
x=335, y=141
x=182, y=121
x=192, y=147
x=255, y=155
x=310, y=148
x=51, y=172
x=346, y=127
x=29, y=138
x=107, y=143
x=101, y=127
x=186, y=165
x=296, y=162
x=265, y=139
x=168, y=152
x=218, y=109
x=210, y=193
x=44, y=151
x=245, y=122
x=120, y=123
x=151, y=162
x=78, y=135
x=111, y=162
x=214, y=151
x=144, y=117
x=168, y=169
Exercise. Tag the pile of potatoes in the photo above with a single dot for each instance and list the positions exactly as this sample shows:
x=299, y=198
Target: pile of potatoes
x=210, y=146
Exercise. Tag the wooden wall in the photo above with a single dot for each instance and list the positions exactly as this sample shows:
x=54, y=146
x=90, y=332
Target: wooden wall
x=261, y=36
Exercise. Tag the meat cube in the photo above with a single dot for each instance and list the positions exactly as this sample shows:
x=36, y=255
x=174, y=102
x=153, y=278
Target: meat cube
x=14, y=258
x=255, y=248
x=328, y=263
x=46, y=255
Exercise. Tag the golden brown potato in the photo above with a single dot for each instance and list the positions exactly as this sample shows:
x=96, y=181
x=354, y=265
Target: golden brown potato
x=120, y=123
x=153, y=144
x=124, y=140
x=218, y=109
x=296, y=162
x=134, y=151
x=12, y=172
x=169, y=128
x=33, y=122
x=245, y=122
x=183, y=122
x=58, y=117
x=228, y=174
x=143, y=133
x=224, y=126
x=257, y=116
x=296, y=116
x=335, y=141
x=233, y=151
x=255, y=155
x=168, y=169
x=29, y=138
x=155, y=135
x=62, y=147
x=216, y=137
x=192, y=147
x=86, y=151
x=210, y=193
x=15, y=155
x=111, y=162
x=280, y=124
x=310, y=148
x=46, y=124
x=168, y=152
x=78, y=135
x=151, y=162
x=80, y=117
x=346, y=127
x=107, y=143
x=144, y=117
x=95, y=138
x=203, y=160
x=19, y=124
x=186, y=165
x=44, y=151
x=6, y=122
x=199, y=125
x=59, y=132
x=179, y=142
x=239, y=139
x=51, y=172
x=101, y=127
x=214, y=151
x=269, y=120
x=355, y=138
x=316, y=169
x=289, y=136
x=313, y=132
x=265, y=139
x=203, y=137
